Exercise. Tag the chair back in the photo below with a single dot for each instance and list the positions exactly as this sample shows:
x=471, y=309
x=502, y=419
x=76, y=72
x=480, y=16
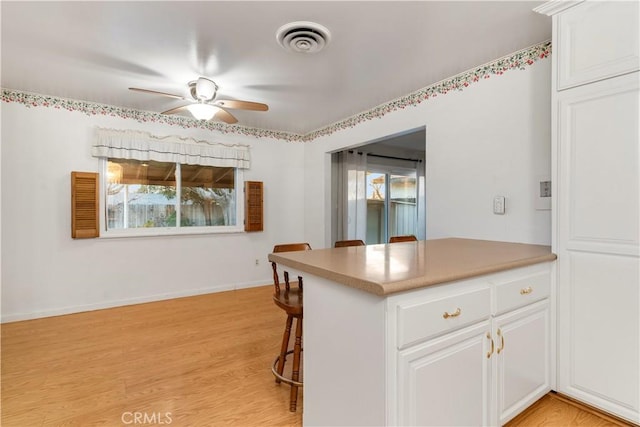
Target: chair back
x=287, y=247
x=345, y=243
x=407, y=238
x=291, y=247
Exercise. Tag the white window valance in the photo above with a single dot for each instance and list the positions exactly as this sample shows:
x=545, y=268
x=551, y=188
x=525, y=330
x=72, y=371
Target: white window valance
x=138, y=145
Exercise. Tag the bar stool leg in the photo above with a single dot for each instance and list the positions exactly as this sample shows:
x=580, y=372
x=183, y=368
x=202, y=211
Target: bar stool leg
x=295, y=376
x=285, y=346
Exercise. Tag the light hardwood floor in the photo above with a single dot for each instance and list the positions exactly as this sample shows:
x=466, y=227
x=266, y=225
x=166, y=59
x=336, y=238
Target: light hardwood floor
x=555, y=410
x=205, y=360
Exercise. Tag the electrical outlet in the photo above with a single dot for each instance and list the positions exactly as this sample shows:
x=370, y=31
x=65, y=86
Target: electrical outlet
x=257, y=261
x=545, y=189
x=543, y=193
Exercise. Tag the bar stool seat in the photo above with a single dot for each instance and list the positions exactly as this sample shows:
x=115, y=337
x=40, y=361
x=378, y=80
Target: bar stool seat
x=289, y=299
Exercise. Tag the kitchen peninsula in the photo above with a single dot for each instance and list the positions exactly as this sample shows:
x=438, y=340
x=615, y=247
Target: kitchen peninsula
x=447, y=331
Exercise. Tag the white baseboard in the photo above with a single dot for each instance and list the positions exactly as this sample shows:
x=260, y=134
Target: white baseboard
x=129, y=301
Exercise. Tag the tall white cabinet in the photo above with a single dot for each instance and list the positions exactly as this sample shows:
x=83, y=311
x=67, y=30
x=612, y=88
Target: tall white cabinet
x=596, y=208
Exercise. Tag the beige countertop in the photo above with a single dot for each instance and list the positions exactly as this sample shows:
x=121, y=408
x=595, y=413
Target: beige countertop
x=389, y=268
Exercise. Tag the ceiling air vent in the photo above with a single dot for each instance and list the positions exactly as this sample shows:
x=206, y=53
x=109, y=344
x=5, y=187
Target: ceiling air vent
x=303, y=37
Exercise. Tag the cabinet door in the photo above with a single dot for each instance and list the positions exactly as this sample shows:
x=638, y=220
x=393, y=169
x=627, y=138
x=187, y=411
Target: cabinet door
x=598, y=245
x=522, y=360
x=445, y=382
x=597, y=40
x=598, y=167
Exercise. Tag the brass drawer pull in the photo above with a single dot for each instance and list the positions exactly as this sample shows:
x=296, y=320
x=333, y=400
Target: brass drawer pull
x=525, y=291
x=447, y=315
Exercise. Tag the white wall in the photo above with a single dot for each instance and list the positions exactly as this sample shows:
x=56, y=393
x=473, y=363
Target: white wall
x=492, y=138
x=45, y=272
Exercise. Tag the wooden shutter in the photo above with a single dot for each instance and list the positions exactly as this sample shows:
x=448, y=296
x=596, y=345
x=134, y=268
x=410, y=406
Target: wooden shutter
x=84, y=205
x=253, y=209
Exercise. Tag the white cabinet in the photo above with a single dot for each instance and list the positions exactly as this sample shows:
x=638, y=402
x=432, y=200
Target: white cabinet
x=598, y=166
x=597, y=245
x=428, y=356
x=596, y=40
x=522, y=359
x=479, y=360
x=446, y=381
x=596, y=202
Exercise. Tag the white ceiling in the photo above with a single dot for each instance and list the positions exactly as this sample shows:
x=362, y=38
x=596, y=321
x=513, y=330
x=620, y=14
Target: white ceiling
x=380, y=50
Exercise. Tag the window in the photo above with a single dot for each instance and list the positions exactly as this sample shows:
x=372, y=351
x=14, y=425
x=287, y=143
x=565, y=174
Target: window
x=169, y=184
x=145, y=195
x=208, y=196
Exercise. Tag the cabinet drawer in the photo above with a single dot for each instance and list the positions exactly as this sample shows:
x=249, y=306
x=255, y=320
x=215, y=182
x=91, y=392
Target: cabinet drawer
x=420, y=320
x=522, y=291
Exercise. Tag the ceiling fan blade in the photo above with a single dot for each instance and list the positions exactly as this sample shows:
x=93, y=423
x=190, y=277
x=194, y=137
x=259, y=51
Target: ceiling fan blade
x=241, y=105
x=175, y=110
x=226, y=117
x=155, y=92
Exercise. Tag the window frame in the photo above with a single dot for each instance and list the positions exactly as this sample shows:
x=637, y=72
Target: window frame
x=171, y=231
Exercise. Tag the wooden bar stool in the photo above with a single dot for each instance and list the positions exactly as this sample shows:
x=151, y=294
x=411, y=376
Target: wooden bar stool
x=290, y=300
x=345, y=243
x=407, y=238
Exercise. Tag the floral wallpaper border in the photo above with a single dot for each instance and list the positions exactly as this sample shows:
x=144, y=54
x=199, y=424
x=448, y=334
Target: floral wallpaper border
x=93, y=109
x=516, y=61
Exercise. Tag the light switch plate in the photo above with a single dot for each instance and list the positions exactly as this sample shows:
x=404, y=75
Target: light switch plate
x=498, y=205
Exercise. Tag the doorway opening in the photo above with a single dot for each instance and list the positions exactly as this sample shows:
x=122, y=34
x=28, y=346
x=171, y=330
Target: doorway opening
x=378, y=189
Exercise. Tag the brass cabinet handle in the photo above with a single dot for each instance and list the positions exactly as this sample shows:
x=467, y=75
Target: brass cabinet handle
x=492, y=345
x=501, y=341
x=525, y=291
x=456, y=313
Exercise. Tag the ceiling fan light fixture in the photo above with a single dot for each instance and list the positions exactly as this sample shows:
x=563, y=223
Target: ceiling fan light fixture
x=202, y=111
x=205, y=89
x=203, y=92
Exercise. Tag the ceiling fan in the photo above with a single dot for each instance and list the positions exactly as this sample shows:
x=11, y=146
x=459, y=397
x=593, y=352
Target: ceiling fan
x=204, y=106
